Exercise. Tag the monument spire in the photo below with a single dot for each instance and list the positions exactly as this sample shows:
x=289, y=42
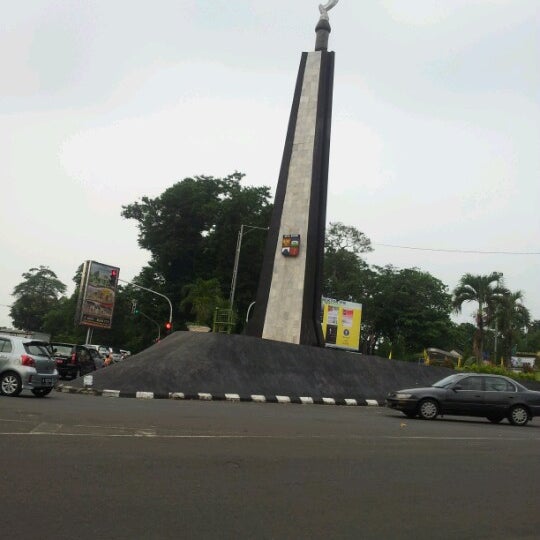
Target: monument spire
x=323, y=26
x=288, y=302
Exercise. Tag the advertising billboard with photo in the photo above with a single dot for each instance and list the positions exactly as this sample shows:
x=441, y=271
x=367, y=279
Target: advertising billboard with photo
x=97, y=295
x=341, y=324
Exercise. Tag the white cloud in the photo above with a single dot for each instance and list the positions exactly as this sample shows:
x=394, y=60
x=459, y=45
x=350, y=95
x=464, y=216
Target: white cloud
x=435, y=124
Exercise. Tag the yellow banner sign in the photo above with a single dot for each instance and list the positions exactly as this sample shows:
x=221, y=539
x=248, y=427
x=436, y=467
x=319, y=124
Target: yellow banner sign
x=341, y=324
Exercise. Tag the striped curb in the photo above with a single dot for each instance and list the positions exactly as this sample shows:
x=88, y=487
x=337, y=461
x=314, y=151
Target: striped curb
x=204, y=396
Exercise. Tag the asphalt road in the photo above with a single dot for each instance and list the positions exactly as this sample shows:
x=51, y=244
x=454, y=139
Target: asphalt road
x=75, y=466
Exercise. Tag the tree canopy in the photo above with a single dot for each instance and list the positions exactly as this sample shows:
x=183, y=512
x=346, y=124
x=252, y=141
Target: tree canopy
x=482, y=290
x=191, y=231
x=35, y=296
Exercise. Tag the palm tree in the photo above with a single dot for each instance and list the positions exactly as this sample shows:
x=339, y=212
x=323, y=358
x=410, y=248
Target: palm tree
x=483, y=290
x=512, y=318
x=202, y=297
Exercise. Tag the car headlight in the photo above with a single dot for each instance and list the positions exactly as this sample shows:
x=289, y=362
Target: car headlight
x=401, y=395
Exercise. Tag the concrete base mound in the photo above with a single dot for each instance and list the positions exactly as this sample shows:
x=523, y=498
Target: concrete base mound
x=191, y=363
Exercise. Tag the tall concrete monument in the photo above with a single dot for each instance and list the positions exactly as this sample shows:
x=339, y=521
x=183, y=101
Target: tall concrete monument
x=288, y=301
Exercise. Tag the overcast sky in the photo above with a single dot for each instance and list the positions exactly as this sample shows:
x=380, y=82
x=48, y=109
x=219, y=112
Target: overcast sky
x=435, y=135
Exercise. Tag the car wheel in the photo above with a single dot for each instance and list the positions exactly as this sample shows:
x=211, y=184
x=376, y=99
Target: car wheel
x=10, y=384
x=428, y=409
x=41, y=392
x=495, y=419
x=519, y=415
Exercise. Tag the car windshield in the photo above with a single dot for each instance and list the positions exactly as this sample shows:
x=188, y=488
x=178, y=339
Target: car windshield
x=447, y=381
x=59, y=348
x=36, y=348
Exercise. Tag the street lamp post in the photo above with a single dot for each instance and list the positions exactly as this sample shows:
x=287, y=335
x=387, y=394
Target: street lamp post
x=496, y=325
x=237, y=257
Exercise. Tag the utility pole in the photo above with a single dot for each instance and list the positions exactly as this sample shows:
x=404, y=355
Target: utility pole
x=237, y=258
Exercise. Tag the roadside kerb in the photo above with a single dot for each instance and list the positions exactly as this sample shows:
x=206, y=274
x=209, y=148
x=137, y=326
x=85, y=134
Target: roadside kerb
x=205, y=396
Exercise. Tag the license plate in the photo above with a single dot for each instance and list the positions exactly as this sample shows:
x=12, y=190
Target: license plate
x=46, y=381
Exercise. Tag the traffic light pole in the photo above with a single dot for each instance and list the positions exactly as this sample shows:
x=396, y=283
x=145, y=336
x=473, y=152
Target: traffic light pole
x=155, y=322
x=153, y=292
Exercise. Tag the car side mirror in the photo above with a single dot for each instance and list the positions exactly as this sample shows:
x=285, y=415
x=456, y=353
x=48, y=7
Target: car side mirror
x=457, y=387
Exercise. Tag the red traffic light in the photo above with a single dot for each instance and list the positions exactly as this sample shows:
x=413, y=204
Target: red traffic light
x=113, y=277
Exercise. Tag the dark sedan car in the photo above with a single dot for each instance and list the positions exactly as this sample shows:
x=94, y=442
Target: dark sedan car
x=469, y=394
x=73, y=360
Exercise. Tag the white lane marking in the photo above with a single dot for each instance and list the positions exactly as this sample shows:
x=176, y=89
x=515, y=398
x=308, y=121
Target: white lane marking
x=150, y=433
x=46, y=429
x=232, y=397
x=111, y=393
x=372, y=402
x=145, y=433
x=283, y=399
x=306, y=400
x=351, y=402
x=177, y=395
x=329, y=401
x=258, y=398
x=204, y=396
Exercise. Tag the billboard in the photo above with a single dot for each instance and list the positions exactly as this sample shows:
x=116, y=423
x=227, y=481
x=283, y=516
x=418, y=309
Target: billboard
x=97, y=295
x=341, y=324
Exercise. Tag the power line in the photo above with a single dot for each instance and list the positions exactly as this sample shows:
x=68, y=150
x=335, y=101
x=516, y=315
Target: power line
x=474, y=251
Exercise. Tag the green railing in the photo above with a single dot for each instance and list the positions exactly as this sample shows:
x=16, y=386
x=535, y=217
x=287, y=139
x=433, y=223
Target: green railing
x=224, y=321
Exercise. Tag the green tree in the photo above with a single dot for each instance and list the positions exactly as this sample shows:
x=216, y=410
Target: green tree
x=512, y=319
x=202, y=298
x=460, y=338
x=408, y=309
x=191, y=232
x=484, y=291
x=35, y=297
x=346, y=274
x=530, y=341
x=344, y=237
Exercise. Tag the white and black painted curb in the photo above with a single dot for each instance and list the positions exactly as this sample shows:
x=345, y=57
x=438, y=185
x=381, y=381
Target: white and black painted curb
x=202, y=396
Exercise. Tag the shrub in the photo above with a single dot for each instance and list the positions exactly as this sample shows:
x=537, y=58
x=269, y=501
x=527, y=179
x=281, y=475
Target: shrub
x=496, y=370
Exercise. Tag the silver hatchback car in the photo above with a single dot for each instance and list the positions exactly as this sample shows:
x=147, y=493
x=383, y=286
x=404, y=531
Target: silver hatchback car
x=25, y=364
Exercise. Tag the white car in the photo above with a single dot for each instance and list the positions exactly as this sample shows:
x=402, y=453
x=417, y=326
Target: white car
x=116, y=354
x=101, y=349
x=25, y=364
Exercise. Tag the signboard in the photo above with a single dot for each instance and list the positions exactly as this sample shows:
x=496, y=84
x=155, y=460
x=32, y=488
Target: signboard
x=97, y=295
x=520, y=361
x=341, y=324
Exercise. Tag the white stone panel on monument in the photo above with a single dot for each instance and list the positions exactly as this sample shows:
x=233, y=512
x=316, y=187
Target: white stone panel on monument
x=284, y=310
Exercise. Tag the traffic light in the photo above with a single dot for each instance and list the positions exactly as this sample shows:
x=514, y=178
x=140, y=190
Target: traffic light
x=113, y=278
